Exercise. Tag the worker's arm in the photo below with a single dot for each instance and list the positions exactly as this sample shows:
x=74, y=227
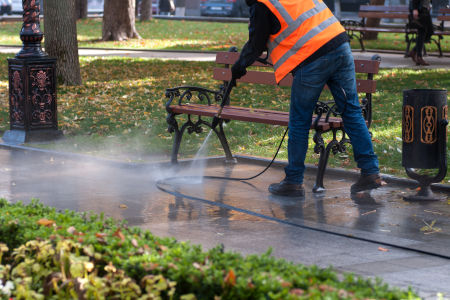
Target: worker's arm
x=262, y=24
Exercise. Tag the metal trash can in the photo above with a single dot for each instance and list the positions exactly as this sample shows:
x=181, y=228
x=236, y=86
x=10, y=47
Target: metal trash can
x=424, y=136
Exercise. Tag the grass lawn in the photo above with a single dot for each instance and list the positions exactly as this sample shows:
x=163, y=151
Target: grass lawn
x=187, y=35
x=119, y=111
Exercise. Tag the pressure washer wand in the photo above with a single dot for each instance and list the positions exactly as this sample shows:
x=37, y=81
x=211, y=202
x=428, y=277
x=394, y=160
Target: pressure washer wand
x=225, y=98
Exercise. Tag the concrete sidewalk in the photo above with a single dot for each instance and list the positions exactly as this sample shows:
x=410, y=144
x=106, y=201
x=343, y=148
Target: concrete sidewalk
x=388, y=60
x=373, y=235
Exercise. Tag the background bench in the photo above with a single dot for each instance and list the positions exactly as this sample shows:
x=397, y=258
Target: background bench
x=200, y=102
x=357, y=29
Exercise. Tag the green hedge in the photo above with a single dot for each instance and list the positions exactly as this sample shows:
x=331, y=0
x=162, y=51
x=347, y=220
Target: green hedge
x=59, y=255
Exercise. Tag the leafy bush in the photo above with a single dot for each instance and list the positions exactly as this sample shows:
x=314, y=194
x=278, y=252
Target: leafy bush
x=58, y=255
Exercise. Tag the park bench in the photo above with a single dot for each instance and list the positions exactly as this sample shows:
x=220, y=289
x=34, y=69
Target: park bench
x=199, y=103
x=357, y=29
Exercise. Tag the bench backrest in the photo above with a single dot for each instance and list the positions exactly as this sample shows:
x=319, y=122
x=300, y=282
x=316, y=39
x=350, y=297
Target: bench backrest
x=367, y=85
x=443, y=14
x=383, y=11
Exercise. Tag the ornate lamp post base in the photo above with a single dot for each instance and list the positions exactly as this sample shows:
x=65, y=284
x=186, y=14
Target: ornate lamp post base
x=32, y=85
x=32, y=100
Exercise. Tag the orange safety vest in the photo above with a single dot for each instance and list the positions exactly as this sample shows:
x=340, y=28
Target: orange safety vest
x=306, y=25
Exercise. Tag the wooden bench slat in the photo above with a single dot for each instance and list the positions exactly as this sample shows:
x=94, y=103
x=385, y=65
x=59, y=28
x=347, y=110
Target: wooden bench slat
x=362, y=85
x=361, y=66
x=383, y=15
x=384, y=8
x=228, y=58
x=246, y=114
x=379, y=29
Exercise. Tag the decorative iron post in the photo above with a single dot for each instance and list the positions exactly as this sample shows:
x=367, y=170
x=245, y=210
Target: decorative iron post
x=424, y=135
x=32, y=85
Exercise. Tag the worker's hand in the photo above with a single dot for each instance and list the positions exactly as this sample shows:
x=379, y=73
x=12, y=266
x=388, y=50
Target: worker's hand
x=237, y=71
x=415, y=13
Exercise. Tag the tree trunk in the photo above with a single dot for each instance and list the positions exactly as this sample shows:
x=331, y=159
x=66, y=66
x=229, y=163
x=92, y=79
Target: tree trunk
x=146, y=10
x=373, y=22
x=119, y=20
x=61, y=39
x=81, y=9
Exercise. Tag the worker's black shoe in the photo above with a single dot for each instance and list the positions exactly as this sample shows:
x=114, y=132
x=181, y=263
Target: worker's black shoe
x=367, y=182
x=287, y=189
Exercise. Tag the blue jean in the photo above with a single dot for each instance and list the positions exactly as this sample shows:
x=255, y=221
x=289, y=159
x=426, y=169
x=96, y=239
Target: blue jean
x=337, y=70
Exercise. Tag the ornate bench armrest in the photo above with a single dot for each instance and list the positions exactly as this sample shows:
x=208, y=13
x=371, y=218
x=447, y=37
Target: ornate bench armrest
x=352, y=23
x=192, y=93
x=324, y=110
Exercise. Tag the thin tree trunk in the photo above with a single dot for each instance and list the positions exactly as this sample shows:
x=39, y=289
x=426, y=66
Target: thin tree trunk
x=146, y=10
x=371, y=22
x=119, y=20
x=81, y=9
x=61, y=39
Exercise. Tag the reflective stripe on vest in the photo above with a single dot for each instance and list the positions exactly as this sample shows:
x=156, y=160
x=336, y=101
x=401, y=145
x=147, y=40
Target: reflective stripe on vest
x=299, y=38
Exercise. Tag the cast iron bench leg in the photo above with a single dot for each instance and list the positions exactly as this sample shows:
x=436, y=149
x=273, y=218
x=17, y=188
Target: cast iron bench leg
x=438, y=44
x=223, y=140
x=323, y=161
x=361, y=38
x=176, y=146
x=335, y=146
x=408, y=42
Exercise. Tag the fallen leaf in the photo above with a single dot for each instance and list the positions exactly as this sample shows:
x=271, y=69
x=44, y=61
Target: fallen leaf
x=46, y=222
x=119, y=234
x=123, y=206
x=230, y=279
x=383, y=249
x=297, y=292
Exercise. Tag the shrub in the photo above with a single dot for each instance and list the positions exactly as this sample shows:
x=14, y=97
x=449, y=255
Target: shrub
x=49, y=254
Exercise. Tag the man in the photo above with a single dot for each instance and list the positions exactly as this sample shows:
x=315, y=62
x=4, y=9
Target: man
x=420, y=18
x=303, y=37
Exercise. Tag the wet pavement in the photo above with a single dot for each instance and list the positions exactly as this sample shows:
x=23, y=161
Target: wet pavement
x=373, y=234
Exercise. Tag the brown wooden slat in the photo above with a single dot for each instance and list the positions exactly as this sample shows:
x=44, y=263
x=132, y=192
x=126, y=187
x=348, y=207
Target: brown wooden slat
x=379, y=29
x=383, y=15
x=250, y=77
x=444, y=10
x=437, y=32
x=361, y=66
x=249, y=115
x=367, y=66
x=396, y=8
x=362, y=85
x=443, y=18
x=366, y=86
x=228, y=58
